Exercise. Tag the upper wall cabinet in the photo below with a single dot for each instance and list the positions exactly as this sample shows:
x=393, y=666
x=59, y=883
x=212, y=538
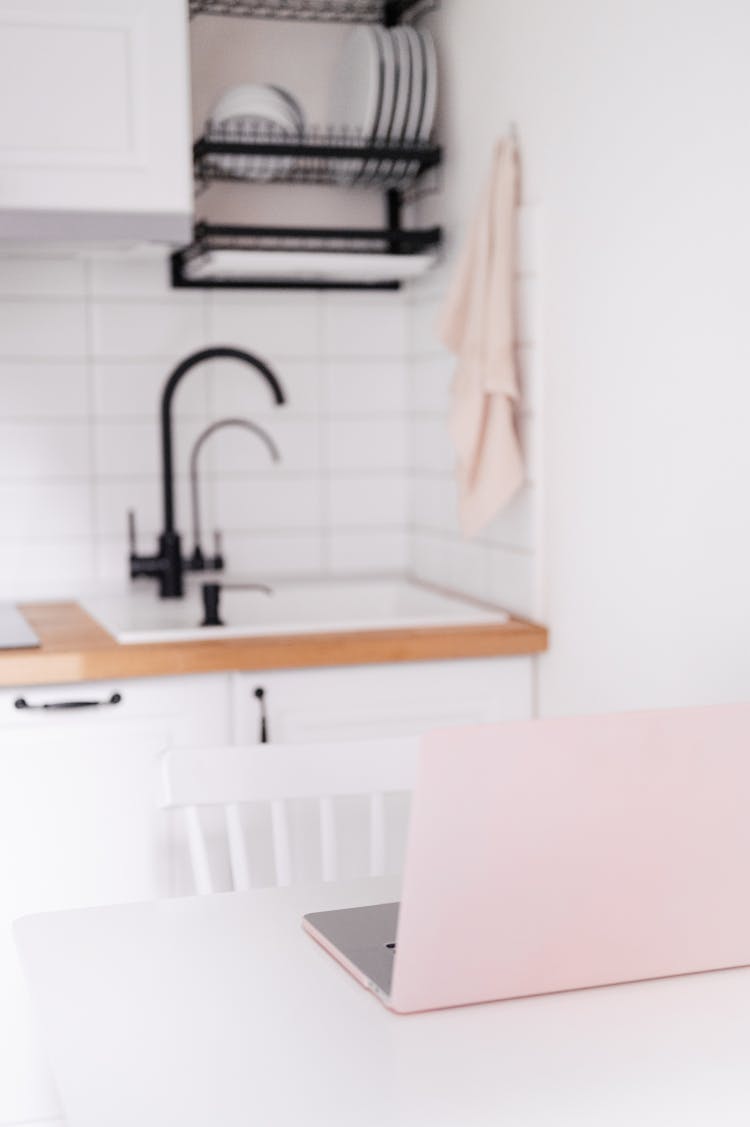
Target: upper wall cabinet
x=94, y=120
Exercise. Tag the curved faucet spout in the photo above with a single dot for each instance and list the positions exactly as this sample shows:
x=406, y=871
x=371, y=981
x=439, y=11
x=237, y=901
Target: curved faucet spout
x=182, y=369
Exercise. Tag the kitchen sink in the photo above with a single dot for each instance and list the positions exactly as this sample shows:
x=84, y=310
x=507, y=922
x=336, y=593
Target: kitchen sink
x=292, y=607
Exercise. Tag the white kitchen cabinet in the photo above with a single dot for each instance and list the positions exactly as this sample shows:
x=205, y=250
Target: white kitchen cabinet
x=80, y=824
x=94, y=120
x=380, y=700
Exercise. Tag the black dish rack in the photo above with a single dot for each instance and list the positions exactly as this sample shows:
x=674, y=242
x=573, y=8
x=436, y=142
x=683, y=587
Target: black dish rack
x=216, y=237
x=233, y=153
x=387, y=12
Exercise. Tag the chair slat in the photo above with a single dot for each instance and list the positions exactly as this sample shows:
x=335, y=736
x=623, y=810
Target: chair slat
x=198, y=851
x=274, y=775
x=282, y=851
x=328, y=849
x=238, y=858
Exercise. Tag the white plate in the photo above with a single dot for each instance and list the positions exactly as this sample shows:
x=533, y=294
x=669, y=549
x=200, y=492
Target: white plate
x=403, y=91
x=252, y=99
x=307, y=265
x=416, y=101
x=431, y=86
x=388, y=94
x=356, y=92
x=250, y=108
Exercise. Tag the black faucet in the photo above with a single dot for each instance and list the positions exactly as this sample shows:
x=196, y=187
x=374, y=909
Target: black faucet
x=168, y=565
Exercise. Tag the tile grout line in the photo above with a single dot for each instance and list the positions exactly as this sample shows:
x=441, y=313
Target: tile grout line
x=90, y=350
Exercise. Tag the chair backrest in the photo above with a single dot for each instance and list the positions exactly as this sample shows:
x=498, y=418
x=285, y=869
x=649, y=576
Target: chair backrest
x=231, y=777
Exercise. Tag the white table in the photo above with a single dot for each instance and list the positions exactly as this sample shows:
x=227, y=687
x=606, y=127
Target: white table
x=220, y=1012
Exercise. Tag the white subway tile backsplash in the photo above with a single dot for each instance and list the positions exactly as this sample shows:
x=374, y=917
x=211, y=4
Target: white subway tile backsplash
x=113, y=497
x=432, y=378
x=511, y=580
x=132, y=389
x=44, y=450
x=133, y=277
x=126, y=449
x=134, y=448
x=431, y=444
x=111, y=560
x=268, y=503
x=425, y=336
x=275, y=554
x=367, y=387
x=45, y=568
x=434, y=502
x=130, y=329
x=45, y=510
x=43, y=329
x=236, y=450
x=272, y=329
x=515, y=526
x=43, y=389
x=368, y=500
x=363, y=552
x=235, y=389
x=368, y=444
x=41, y=277
x=365, y=326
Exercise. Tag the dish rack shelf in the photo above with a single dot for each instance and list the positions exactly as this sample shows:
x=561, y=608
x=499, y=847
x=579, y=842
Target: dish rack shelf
x=307, y=240
x=387, y=12
x=232, y=152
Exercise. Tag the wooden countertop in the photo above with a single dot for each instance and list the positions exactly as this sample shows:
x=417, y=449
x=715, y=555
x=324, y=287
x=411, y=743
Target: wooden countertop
x=76, y=648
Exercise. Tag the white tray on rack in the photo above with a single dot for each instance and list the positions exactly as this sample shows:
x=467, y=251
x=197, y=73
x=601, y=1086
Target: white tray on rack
x=306, y=266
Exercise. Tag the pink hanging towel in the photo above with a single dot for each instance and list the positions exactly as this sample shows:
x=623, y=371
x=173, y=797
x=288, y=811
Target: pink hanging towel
x=477, y=324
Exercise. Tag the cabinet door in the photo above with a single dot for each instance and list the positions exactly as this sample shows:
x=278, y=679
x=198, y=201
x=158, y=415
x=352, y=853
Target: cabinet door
x=94, y=120
x=367, y=702
x=81, y=824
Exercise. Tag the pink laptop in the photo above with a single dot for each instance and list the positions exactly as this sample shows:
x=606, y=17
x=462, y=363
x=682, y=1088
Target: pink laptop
x=551, y=855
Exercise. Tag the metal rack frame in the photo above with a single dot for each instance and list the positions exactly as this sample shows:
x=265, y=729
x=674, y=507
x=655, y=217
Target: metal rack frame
x=315, y=158
x=352, y=239
x=388, y=12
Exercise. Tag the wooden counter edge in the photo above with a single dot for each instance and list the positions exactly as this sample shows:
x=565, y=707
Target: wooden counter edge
x=75, y=648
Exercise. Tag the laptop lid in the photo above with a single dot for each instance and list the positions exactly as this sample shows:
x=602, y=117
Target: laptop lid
x=555, y=854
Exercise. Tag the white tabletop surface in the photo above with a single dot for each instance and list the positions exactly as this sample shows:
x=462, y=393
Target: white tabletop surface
x=221, y=1010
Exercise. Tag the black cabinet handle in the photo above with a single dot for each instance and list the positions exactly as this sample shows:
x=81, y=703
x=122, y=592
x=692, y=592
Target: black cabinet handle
x=60, y=705
x=260, y=696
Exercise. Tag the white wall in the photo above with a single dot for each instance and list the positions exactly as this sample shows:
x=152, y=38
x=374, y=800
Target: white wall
x=85, y=347
x=634, y=129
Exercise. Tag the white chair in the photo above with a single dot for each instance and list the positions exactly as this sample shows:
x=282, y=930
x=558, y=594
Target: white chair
x=231, y=777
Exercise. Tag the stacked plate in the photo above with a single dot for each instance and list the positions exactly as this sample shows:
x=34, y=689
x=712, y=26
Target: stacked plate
x=384, y=90
x=255, y=113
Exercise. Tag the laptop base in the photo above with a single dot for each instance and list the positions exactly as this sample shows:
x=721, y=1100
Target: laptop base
x=362, y=939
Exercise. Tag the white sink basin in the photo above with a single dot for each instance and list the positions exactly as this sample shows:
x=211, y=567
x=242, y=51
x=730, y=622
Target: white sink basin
x=300, y=607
